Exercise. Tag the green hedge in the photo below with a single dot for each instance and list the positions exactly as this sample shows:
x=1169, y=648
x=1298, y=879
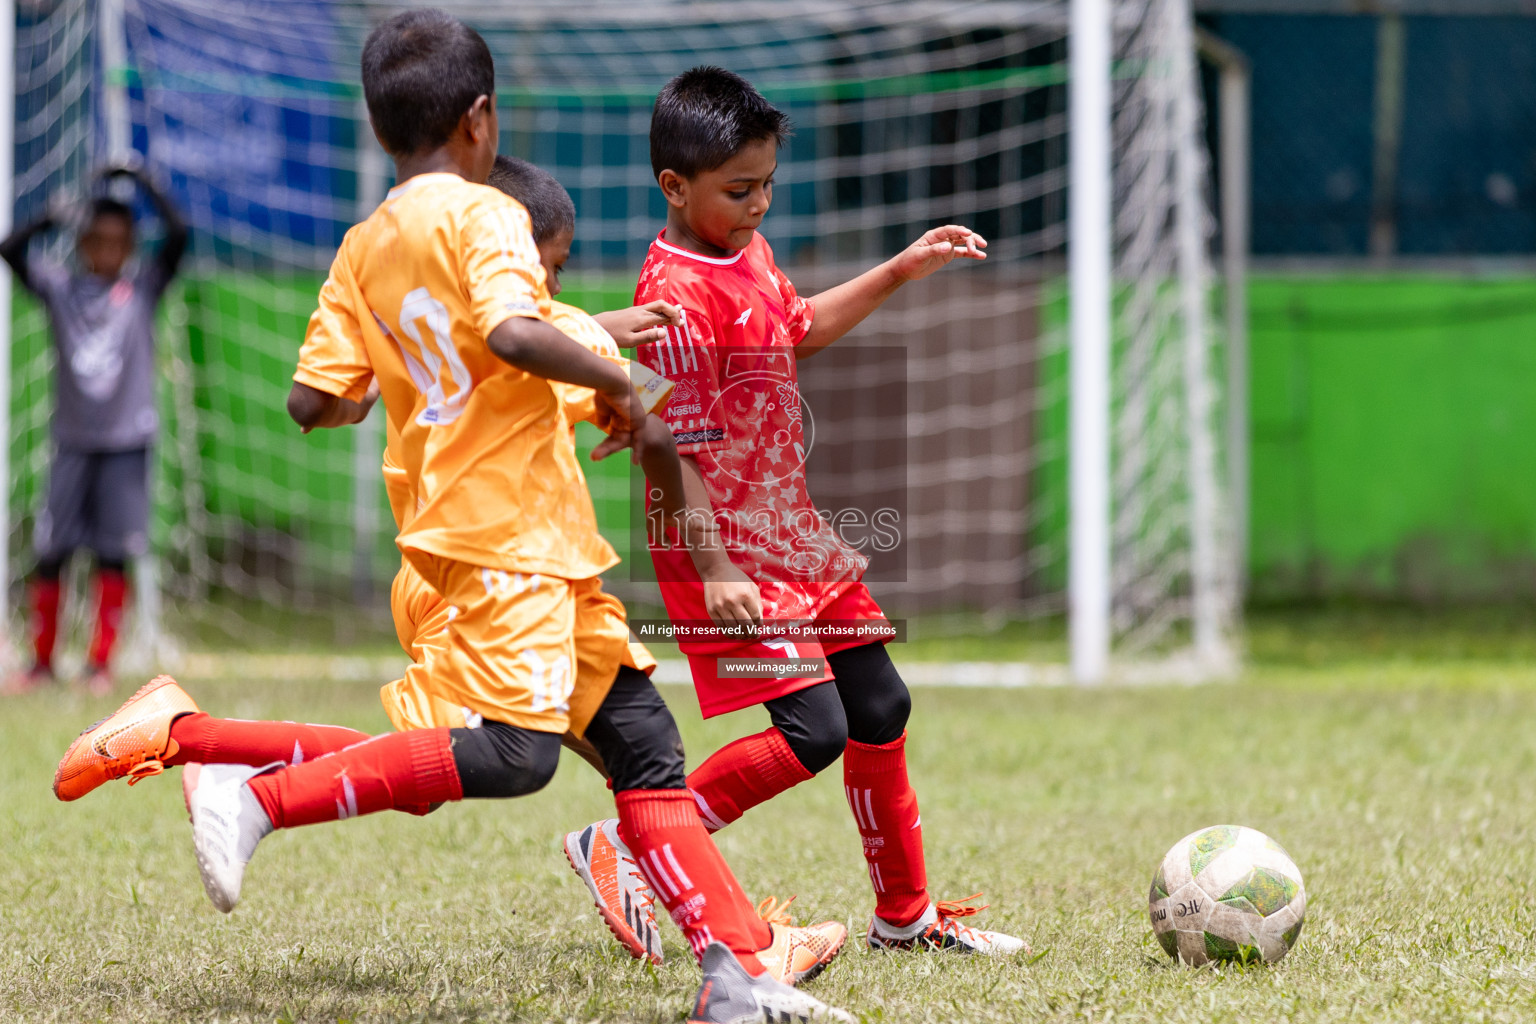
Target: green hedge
x=1394, y=437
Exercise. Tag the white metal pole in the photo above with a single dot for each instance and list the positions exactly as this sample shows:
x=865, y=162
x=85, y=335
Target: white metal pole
x=1205, y=542
x=1236, y=206
x=112, y=46
x=7, y=204
x=1088, y=245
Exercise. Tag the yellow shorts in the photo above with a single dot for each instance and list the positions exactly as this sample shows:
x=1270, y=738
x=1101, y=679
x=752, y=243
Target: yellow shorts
x=532, y=651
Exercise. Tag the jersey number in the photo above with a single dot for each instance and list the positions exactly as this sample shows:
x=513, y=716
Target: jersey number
x=427, y=373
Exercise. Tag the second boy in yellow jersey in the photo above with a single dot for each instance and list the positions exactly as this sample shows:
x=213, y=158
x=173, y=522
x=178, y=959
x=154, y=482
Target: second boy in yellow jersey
x=499, y=521
x=428, y=697
x=601, y=633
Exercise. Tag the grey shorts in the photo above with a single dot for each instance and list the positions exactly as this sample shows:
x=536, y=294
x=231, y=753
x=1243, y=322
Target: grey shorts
x=96, y=500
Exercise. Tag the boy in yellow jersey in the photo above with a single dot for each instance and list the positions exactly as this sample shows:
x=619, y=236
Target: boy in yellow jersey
x=439, y=298
x=420, y=613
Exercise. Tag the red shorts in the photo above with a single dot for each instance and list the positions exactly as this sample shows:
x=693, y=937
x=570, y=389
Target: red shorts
x=719, y=694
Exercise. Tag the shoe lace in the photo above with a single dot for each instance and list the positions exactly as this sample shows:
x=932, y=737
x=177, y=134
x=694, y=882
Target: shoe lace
x=642, y=887
x=774, y=912
x=950, y=910
x=143, y=770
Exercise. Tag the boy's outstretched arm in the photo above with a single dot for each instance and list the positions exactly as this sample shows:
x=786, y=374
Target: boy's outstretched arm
x=311, y=408
x=730, y=596
x=639, y=325
x=841, y=309
x=543, y=350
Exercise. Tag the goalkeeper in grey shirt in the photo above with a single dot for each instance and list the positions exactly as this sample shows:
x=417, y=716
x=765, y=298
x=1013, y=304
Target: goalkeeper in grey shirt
x=102, y=313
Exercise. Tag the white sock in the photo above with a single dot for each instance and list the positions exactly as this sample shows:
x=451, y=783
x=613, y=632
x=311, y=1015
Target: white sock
x=925, y=920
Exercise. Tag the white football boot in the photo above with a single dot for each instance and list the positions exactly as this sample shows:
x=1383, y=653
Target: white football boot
x=939, y=928
x=618, y=890
x=227, y=823
x=729, y=995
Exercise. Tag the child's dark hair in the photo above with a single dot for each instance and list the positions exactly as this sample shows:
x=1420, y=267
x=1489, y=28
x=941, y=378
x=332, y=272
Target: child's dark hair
x=549, y=204
x=106, y=206
x=703, y=117
x=422, y=71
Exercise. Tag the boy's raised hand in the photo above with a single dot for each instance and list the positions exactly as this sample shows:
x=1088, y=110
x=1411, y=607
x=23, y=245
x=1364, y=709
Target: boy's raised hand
x=937, y=247
x=840, y=309
x=640, y=325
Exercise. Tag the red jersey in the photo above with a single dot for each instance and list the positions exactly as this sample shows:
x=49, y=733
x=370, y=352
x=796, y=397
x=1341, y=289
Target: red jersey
x=736, y=411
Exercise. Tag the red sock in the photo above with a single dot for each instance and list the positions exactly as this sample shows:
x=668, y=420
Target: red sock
x=111, y=594
x=46, y=596
x=883, y=804
x=405, y=771
x=741, y=775
x=235, y=741
x=688, y=875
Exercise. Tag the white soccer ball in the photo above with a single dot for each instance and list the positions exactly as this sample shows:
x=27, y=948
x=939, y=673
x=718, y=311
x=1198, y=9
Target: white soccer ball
x=1227, y=893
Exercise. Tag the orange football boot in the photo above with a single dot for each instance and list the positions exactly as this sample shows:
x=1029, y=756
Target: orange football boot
x=797, y=954
x=134, y=741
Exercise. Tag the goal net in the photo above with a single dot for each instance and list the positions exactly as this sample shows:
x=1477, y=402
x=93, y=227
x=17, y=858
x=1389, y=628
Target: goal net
x=947, y=408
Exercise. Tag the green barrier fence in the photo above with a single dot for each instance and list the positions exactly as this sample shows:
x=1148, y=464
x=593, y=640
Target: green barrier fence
x=1393, y=422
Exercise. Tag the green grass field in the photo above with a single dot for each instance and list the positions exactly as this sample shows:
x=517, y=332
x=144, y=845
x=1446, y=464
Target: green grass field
x=1401, y=780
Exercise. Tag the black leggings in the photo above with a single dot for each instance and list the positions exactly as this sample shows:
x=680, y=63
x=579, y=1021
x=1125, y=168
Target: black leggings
x=497, y=761
x=636, y=736
x=633, y=731
x=866, y=702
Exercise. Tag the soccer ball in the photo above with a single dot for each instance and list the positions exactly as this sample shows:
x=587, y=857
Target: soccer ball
x=1227, y=893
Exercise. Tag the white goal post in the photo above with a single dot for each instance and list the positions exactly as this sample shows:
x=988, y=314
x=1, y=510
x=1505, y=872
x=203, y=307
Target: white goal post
x=1107, y=169
x=1088, y=248
x=7, y=191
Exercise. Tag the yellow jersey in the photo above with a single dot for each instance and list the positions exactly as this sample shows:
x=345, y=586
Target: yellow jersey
x=484, y=448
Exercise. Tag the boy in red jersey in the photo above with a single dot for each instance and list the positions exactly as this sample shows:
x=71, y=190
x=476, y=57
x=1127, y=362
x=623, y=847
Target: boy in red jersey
x=735, y=415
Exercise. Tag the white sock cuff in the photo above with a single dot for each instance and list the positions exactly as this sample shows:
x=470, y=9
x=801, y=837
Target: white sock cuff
x=925, y=920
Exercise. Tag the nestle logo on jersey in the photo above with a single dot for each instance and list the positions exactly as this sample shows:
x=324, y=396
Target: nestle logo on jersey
x=691, y=409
